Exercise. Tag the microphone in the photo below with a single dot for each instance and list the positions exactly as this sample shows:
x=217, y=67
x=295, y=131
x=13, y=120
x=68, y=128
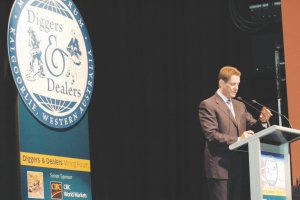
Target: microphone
x=274, y=112
x=239, y=98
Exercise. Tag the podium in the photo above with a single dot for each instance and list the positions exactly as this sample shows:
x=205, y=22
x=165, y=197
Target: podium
x=269, y=162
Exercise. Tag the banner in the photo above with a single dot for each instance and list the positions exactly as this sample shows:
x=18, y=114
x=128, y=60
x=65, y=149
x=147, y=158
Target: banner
x=52, y=63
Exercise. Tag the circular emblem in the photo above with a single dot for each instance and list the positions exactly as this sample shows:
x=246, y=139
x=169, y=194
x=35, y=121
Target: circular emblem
x=51, y=59
x=271, y=170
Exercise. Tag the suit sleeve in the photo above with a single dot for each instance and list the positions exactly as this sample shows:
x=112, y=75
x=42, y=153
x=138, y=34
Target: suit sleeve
x=209, y=123
x=253, y=124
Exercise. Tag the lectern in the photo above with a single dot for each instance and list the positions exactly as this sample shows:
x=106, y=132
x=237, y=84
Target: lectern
x=269, y=160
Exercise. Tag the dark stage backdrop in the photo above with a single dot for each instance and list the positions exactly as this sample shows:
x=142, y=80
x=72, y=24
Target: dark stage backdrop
x=154, y=61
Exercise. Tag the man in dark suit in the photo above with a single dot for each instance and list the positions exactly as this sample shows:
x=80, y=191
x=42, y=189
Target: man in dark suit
x=224, y=121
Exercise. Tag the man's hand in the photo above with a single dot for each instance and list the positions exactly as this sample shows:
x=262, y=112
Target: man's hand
x=266, y=115
x=246, y=134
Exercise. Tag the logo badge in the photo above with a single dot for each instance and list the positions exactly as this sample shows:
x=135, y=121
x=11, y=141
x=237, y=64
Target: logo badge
x=56, y=190
x=35, y=184
x=271, y=170
x=51, y=59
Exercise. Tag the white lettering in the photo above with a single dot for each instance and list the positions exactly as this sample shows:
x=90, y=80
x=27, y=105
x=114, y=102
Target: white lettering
x=20, y=3
x=80, y=21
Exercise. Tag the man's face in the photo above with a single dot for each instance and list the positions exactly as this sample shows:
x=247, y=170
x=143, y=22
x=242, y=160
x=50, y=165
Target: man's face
x=230, y=88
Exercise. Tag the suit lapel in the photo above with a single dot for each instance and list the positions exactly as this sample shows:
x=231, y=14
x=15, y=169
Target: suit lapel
x=222, y=105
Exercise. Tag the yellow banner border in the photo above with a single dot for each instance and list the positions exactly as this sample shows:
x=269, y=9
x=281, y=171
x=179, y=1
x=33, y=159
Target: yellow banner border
x=54, y=162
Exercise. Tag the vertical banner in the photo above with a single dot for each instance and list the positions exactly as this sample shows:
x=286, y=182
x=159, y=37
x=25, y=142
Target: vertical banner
x=52, y=64
x=273, y=176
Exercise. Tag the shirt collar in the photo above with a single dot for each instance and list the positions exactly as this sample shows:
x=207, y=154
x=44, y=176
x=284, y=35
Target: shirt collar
x=225, y=99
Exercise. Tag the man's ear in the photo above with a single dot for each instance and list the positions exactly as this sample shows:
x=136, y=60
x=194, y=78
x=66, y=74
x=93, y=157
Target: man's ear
x=221, y=82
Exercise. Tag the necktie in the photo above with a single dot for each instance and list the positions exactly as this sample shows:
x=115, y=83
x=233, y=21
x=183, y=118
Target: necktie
x=229, y=104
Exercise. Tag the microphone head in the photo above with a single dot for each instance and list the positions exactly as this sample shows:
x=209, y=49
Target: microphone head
x=239, y=98
x=254, y=101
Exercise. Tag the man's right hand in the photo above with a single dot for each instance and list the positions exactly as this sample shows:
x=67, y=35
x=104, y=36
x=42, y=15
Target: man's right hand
x=246, y=134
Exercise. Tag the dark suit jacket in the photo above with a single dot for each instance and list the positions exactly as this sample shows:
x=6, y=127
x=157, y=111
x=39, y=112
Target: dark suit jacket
x=221, y=129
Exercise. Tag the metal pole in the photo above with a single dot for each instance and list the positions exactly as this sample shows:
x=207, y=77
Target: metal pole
x=278, y=82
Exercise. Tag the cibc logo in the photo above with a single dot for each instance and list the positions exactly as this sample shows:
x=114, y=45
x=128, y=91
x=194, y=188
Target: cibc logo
x=67, y=187
x=56, y=190
x=51, y=59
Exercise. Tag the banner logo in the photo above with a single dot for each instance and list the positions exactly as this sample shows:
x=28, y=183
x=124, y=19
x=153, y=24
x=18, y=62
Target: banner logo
x=56, y=190
x=271, y=170
x=51, y=59
x=35, y=184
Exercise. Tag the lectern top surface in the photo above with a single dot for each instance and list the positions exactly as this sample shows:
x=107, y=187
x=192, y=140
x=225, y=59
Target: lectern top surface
x=273, y=135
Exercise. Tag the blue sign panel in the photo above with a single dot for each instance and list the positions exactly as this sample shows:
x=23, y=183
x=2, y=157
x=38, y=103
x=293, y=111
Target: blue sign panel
x=54, y=164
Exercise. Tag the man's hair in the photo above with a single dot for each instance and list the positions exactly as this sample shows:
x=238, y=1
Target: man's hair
x=227, y=71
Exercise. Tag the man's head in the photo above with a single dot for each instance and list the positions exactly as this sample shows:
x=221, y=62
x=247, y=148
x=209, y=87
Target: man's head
x=229, y=80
